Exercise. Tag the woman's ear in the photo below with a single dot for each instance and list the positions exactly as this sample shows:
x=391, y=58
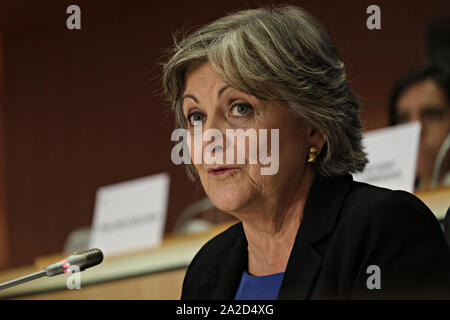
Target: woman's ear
x=316, y=138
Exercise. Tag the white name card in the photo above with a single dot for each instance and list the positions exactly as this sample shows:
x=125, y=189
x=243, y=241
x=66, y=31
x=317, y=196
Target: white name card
x=130, y=215
x=392, y=154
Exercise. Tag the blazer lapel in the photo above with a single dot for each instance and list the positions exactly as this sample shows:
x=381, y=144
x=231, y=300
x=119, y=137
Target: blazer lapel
x=302, y=269
x=321, y=211
x=224, y=286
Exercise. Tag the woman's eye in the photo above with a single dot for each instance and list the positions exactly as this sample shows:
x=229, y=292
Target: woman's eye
x=433, y=114
x=194, y=117
x=241, y=109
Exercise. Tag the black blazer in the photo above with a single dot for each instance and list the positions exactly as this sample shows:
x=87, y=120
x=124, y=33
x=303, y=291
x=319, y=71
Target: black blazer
x=346, y=227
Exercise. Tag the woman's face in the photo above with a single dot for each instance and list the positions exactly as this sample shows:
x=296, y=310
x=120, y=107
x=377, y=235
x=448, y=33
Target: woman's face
x=426, y=102
x=240, y=187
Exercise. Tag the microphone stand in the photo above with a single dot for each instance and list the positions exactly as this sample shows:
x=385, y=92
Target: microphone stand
x=23, y=279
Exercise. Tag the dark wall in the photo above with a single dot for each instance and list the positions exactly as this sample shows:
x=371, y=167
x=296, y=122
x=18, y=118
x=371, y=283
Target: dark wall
x=4, y=238
x=83, y=108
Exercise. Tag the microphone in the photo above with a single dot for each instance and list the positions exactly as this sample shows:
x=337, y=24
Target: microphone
x=82, y=259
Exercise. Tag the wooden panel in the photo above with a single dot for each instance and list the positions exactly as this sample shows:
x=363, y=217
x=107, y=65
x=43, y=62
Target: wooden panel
x=4, y=247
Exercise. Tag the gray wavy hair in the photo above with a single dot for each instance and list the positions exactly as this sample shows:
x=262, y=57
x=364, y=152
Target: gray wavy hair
x=283, y=54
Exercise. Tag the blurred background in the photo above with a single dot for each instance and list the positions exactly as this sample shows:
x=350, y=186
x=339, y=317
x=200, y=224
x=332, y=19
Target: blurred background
x=80, y=109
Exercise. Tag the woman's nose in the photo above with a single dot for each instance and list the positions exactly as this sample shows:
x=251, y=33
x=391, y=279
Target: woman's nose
x=213, y=139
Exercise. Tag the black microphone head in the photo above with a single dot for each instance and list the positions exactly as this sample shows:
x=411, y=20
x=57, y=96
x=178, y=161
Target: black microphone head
x=93, y=257
x=82, y=259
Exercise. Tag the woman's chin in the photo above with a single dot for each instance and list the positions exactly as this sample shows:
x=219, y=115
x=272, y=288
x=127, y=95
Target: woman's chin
x=228, y=200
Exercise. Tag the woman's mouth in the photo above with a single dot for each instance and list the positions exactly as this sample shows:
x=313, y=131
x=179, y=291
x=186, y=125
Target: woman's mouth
x=222, y=171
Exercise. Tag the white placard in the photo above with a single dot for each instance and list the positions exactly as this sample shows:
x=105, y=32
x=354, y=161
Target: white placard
x=130, y=215
x=392, y=154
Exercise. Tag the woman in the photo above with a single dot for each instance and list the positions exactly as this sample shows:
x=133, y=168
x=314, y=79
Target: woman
x=424, y=95
x=309, y=231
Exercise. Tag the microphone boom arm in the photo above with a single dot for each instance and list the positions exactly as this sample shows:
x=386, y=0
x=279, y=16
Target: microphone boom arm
x=23, y=279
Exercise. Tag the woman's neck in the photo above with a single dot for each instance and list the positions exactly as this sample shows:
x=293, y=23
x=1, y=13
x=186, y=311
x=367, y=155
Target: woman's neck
x=271, y=231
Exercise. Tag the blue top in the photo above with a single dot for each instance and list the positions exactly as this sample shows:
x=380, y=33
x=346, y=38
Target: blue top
x=259, y=288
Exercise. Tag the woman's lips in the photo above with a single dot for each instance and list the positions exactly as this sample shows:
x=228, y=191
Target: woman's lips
x=222, y=171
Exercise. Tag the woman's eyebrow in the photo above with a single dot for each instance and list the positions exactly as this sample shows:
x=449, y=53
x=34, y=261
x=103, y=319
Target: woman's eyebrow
x=190, y=96
x=219, y=93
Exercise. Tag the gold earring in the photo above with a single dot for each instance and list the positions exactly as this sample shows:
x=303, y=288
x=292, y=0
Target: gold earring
x=312, y=154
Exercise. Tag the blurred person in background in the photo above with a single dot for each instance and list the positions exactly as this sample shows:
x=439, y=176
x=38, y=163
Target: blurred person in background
x=423, y=95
